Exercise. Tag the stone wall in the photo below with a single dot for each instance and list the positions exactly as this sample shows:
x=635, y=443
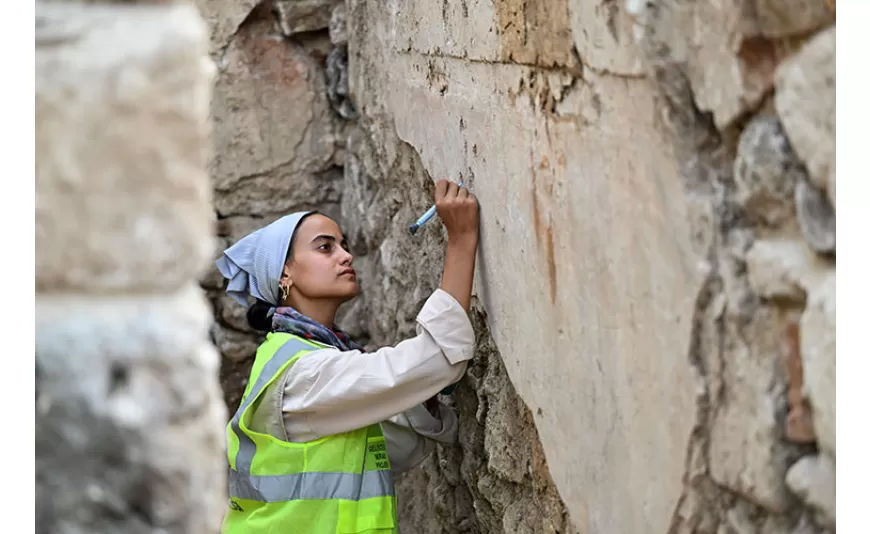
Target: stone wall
x=129, y=423
x=655, y=293
x=761, y=198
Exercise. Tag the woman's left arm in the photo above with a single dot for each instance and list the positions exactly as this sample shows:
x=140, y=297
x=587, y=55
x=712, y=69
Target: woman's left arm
x=411, y=435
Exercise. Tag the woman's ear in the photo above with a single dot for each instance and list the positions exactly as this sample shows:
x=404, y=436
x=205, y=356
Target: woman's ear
x=285, y=277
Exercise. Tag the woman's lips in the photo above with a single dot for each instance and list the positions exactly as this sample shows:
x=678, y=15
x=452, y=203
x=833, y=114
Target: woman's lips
x=346, y=272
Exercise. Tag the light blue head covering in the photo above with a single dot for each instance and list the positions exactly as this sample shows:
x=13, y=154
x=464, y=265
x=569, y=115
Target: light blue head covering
x=255, y=263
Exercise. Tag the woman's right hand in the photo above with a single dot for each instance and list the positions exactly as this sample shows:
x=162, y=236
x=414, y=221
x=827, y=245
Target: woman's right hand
x=458, y=209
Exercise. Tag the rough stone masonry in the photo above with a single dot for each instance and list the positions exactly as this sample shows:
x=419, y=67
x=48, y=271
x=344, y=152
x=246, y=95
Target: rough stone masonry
x=655, y=294
x=128, y=412
x=655, y=304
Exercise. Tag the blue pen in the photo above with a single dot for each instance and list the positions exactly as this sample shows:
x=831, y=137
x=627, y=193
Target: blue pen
x=424, y=218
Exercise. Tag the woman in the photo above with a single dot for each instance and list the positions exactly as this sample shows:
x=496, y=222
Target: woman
x=322, y=424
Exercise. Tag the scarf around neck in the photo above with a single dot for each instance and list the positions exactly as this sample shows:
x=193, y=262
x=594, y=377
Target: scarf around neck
x=286, y=319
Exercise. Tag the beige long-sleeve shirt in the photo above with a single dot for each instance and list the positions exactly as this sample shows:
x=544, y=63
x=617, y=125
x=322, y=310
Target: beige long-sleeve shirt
x=330, y=391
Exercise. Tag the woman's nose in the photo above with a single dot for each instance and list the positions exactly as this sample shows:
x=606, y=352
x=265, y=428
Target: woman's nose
x=347, y=257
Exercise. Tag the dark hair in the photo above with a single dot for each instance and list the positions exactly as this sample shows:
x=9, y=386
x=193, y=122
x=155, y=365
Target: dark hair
x=259, y=317
x=258, y=314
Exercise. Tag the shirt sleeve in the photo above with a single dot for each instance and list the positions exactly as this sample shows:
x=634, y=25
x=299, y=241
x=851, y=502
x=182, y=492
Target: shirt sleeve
x=329, y=391
x=411, y=435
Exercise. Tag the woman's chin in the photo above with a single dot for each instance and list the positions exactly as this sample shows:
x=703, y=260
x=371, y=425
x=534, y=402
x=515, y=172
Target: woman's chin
x=351, y=291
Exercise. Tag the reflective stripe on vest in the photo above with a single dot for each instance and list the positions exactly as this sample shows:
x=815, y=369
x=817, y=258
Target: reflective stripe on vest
x=277, y=488
x=284, y=354
x=334, y=485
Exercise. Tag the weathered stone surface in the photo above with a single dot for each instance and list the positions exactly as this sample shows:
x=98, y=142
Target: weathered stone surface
x=272, y=132
x=729, y=61
x=128, y=422
x=548, y=214
x=806, y=103
x=135, y=335
x=603, y=35
x=819, y=352
x=496, y=478
x=783, y=268
x=736, y=456
x=104, y=2
x=119, y=130
x=278, y=147
x=816, y=216
x=745, y=455
x=338, y=25
x=235, y=346
x=530, y=33
x=600, y=218
x=223, y=18
x=539, y=212
x=99, y=243
x=298, y=16
x=814, y=480
x=799, y=422
x=766, y=172
x=778, y=18
x=337, y=83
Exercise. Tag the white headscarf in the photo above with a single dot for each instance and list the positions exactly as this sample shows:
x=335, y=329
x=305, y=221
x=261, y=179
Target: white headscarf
x=255, y=263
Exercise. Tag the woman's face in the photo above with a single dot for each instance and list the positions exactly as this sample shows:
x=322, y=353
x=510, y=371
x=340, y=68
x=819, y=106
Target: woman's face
x=320, y=263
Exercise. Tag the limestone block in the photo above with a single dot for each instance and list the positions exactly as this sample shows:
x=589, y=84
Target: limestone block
x=297, y=16
x=730, y=69
x=129, y=425
x=532, y=33
x=814, y=480
x=230, y=313
x=338, y=25
x=766, y=171
x=213, y=279
x=512, y=31
x=728, y=59
x=603, y=36
x=273, y=134
x=122, y=197
x=745, y=451
x=819, y=352
x=778, y=18
x=235, y=346
x=783, y=268
x=81, y=2
x=806, y=102
x=816, y=217
x=223, y=18
x=337, y=83
x=101, y=243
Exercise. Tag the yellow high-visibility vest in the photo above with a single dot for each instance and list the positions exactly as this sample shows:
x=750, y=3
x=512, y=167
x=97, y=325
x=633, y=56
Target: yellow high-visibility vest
x=339, y=484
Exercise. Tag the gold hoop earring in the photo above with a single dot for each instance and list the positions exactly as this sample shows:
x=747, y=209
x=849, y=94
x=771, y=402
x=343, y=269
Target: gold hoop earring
x=284, y=291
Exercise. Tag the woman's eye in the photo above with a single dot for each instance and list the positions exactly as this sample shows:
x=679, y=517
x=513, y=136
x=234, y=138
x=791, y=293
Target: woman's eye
x=324, y=247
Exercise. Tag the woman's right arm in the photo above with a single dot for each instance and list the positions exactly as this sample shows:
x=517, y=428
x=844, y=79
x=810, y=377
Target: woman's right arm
x=458, y=210
x=330, y=391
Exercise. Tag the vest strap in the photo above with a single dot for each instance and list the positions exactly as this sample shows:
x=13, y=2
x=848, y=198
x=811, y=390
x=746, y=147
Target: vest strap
x=311, y=485
x=247, y=448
